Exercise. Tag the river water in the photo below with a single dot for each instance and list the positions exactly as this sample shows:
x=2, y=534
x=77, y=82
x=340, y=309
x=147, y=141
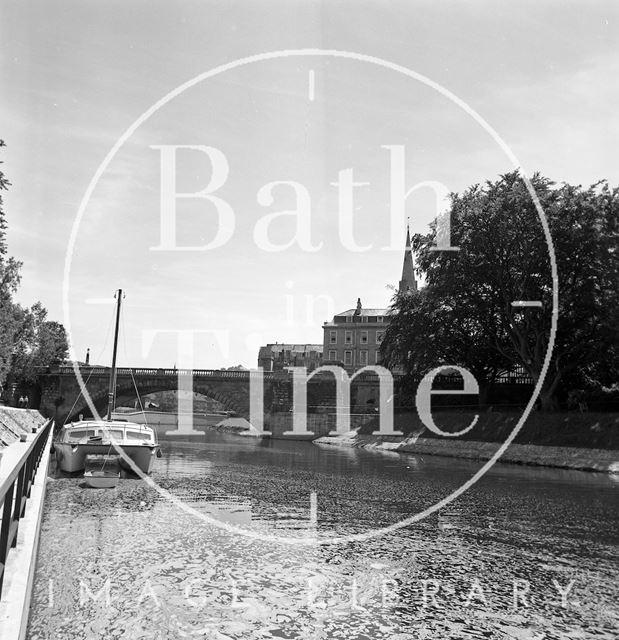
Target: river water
x=242, y=538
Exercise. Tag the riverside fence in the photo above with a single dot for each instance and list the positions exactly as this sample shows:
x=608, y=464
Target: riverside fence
x=15, y=490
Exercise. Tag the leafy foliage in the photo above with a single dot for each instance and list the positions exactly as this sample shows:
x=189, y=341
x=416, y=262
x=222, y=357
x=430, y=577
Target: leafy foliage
x=467, y=302
x=430, y=329
x=38, y=343
x=9, y=281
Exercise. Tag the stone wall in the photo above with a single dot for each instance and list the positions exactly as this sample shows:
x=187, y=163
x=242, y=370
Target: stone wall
x=576, y=458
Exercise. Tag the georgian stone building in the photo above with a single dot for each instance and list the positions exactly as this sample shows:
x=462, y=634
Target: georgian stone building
x=353, y=337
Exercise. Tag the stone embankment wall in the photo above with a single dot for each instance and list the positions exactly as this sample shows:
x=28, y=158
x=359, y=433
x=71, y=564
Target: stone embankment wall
x=15, y=422
x=560, y=429
x=578, y=458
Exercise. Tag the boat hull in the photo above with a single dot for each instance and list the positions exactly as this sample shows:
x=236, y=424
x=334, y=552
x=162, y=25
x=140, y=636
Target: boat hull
x=71, y=457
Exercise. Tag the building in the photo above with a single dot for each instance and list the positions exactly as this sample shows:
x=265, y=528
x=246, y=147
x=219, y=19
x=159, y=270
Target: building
x=353, y=337
x=275, y=357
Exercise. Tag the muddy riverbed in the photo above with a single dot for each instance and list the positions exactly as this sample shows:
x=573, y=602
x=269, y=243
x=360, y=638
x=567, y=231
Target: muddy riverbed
x=236, y=540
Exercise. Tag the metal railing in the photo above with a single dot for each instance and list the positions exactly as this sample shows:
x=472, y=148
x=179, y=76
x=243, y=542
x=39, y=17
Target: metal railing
x=15, y=491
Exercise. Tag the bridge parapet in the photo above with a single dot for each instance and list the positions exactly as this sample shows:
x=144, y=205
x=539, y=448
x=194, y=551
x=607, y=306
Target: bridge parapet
x=65, y=370
x=85, y=371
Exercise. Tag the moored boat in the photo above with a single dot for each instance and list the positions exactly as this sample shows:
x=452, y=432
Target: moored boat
x=136, y=444
x=98, y=437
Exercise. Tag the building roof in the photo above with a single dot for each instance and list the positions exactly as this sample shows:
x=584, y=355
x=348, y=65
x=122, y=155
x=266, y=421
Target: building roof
x=363, y=312
x=271, y=349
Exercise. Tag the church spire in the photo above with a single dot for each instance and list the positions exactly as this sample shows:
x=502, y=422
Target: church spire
x=408, y=281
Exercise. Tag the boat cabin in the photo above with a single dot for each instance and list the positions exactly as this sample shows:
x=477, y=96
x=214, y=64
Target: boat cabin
x=123, y=432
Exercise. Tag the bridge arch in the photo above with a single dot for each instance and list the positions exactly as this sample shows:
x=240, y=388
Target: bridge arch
x=233, y=394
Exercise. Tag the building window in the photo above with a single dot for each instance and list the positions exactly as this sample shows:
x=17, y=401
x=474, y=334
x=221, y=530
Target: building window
x=332, y=355
x=347, y=357
x=379, y=318
x=332, y=337
x=377, y=357
x=364, y=337
x=348, y=318
x=348, y=337
x=364, y=318
x=379, y=336
x=363, y=358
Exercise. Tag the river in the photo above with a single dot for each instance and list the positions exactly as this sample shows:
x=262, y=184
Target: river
x=236, y=540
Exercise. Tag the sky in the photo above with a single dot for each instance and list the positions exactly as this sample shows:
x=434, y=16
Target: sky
x=270, y=136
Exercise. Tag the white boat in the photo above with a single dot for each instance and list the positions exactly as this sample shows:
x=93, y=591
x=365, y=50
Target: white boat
x=100, y=437
x=107, y=437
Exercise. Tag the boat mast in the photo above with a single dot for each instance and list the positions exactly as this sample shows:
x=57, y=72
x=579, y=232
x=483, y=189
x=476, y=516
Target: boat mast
x=111, y=396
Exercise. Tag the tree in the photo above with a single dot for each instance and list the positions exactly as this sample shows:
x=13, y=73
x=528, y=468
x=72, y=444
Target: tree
x=38, y=343
x=9, y=281
x=428, y=330
x=503, y=258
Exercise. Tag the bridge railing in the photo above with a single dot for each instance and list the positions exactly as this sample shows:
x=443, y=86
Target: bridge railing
x=516, y=376
x=88, y=371
x=196, y=373
x=142, y=371
x=15, y=490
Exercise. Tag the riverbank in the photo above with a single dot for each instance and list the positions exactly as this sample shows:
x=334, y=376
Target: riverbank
x=587, y=430
x=15, y=423
x=24, y=457
x=576, y=458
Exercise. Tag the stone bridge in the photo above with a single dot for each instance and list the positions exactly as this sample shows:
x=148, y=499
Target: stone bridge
x=60, y=389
